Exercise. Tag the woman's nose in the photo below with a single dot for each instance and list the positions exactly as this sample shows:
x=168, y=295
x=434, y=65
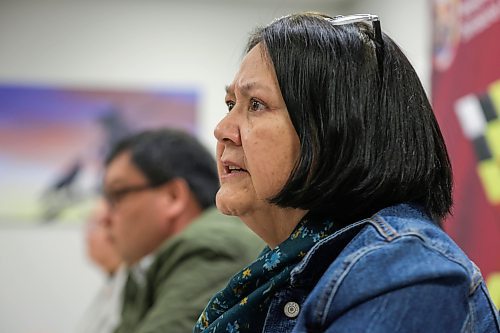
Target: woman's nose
x=227, y=130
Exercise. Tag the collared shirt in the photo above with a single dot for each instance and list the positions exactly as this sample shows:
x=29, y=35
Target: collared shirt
x=140, y=269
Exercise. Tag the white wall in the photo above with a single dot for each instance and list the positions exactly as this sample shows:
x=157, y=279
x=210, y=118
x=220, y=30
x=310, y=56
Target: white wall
x=409, y=23
x=45, y=279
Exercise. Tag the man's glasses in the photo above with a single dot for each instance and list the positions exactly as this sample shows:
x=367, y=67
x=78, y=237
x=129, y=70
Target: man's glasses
x=379, y=41
x=115, y=196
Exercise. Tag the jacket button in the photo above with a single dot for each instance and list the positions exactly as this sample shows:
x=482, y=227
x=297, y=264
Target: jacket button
x=291, y=309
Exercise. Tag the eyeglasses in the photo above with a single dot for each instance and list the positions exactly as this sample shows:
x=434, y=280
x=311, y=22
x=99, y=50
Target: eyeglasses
x=379, y=41
x=114, y=197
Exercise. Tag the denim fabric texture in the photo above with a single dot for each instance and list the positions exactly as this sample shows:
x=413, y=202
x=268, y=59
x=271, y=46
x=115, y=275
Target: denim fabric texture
x=393, y=272
x=242, y=305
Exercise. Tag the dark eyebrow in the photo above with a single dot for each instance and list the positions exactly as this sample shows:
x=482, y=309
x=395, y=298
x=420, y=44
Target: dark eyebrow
x=245, y=88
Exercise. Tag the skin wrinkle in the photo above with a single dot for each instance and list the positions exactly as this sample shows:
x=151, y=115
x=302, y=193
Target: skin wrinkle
x=265, y=142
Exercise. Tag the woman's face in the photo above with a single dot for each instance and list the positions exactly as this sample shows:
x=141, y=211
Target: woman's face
x=257, y=145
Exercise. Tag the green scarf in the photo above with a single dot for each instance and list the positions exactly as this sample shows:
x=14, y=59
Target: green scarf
x=242, y=306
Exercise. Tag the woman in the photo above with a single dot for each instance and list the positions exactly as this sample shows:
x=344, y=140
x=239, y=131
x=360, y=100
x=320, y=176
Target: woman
x=330, y=152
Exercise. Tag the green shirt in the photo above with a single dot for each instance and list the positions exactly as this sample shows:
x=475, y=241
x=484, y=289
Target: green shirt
x=187, y=271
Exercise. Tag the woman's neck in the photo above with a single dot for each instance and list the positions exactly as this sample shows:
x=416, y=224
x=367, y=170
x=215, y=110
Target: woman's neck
x=273, y=224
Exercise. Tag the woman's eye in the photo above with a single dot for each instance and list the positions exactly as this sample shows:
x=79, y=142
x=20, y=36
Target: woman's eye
x=255, y=105
x=230, y=105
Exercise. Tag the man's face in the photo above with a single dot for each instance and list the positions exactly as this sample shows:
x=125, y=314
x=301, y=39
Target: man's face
x=136, y=209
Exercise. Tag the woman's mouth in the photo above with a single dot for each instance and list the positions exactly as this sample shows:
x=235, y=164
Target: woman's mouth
x=231, y=168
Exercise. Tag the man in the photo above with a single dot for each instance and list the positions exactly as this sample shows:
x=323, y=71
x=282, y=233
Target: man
x=161, y=187
x=104, y=313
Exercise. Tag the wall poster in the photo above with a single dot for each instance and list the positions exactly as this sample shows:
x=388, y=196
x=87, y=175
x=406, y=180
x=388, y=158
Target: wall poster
x=466, y=99
x=53, y=141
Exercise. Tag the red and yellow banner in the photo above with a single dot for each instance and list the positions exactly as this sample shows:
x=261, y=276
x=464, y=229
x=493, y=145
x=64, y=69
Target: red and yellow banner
x=466, y=99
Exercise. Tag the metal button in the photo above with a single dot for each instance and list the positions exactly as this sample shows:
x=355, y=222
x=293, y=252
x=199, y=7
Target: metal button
x=292, y=309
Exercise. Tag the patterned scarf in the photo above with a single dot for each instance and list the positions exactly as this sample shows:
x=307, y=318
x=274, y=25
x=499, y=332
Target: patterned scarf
x=242, y=305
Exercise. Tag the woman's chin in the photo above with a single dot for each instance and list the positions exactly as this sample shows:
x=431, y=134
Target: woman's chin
x=228, y=205
x=226, y=209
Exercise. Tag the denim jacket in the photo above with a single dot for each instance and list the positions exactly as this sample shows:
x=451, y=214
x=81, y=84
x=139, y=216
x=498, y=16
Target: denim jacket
x=393, y=272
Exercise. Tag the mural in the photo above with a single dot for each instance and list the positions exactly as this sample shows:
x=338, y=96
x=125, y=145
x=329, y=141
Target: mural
x=466, y=99
x=53, y=141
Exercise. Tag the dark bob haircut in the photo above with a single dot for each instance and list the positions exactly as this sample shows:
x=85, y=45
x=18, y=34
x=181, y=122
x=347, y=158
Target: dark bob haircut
x=368, y=135
x=164, y=154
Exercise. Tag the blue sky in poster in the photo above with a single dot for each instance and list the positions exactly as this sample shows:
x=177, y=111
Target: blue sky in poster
x=43, y=105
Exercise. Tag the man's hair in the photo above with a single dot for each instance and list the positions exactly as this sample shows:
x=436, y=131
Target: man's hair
x=164, y=154
x=368, y=135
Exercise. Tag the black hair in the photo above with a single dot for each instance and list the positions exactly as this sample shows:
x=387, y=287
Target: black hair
x=164, y=154
x=368, y=135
